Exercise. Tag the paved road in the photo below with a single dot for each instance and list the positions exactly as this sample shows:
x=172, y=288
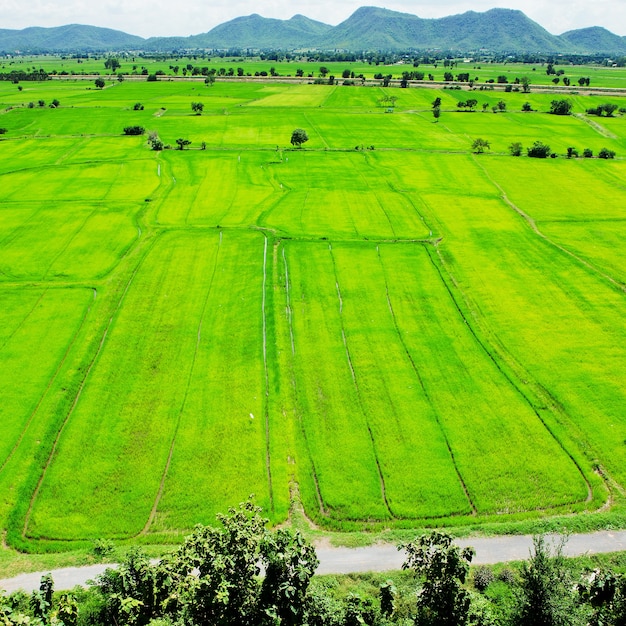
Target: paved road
x=378, y=558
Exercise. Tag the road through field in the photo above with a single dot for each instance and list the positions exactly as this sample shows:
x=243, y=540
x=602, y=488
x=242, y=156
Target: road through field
x=376, y=558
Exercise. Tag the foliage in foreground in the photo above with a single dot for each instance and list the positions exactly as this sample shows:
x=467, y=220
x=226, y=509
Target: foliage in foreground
x=214, y=578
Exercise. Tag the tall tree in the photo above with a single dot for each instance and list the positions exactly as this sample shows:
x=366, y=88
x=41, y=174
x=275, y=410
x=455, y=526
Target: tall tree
x=441, y=600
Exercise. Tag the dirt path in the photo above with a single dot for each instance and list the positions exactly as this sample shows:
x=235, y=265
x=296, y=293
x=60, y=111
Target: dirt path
x=377, y=558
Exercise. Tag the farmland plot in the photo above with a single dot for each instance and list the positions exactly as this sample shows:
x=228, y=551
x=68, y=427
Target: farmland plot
x=382, y=322
x=426, y=401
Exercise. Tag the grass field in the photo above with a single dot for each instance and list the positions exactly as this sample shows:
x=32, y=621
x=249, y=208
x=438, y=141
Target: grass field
x=382, y=324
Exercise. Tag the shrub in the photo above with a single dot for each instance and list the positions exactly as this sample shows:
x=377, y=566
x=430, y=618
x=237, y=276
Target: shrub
x=102, y=548
x=483, y=577
x=560, y=107
x=507, y=576
x=526, y=107
x=572, y=152
x=138, y=106
x=605, y=153
x=539, y=150
x=152, y=78
x=515, y=149
x=134, y=130
x=587, y=153
x=3, y=131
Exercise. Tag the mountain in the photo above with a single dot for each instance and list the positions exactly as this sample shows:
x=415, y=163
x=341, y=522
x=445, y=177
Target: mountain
x=595, y=40
x=71, y=38
x=375, y=28
x=368, y=28
x=497, y=29
x=254, y=31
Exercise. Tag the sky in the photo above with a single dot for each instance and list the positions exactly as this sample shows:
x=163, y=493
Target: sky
x=158, y=18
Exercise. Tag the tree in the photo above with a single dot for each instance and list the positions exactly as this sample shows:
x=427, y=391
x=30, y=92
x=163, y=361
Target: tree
x=538, y=150
x=290, y=562
x=55, y=104
x=480, y=145
x=112, y=63
x=526, y=107
x=605, y=153
x=441, y=600
x=197, y=107
x=323, y=71
x=134, y=130
x=515, y=149
x=587, y=153
x=436, y=113
x=298, y=137
x=572, y=152
x=436, y=102
x=545, y=596
x=182, y=143
x=525, y=84
x=99, y=82
x=41, y=601
x=560, y=107
x=501, y=106
x=209, y=80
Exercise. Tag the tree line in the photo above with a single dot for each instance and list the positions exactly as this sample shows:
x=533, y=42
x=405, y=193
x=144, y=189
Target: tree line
x=243, y=574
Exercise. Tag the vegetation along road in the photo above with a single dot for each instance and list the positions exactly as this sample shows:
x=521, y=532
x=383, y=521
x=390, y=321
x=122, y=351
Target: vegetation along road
x=378, y=558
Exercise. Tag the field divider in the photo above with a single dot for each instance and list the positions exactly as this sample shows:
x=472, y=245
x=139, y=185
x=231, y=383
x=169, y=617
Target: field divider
x=423, y=386
x=159, y=495
x=356, y=386
x=533, y=225
x=67, y=243
x=318, y=493
x=43, y=293
x=266, y=412
x=79, y=392
x=50, y=382
x=502, y=370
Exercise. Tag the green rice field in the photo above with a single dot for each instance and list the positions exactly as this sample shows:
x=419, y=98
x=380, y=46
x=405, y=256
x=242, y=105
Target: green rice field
x=382, y=325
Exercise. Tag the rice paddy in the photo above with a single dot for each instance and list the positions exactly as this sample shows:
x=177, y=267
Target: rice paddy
x=391, y=328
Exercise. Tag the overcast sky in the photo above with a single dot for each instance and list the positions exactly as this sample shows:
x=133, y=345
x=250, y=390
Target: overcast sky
x=148, y=18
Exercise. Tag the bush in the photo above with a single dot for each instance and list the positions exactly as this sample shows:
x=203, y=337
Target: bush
x=515, y=149
x=483, y=577
x=3, y=131
x=152, y=78
x=539, y=150
x=587, y=153
x=138, y=106
x=134, y=130
x=572, y=153
x=560, y=107
x=507, y=576
x=605, y=153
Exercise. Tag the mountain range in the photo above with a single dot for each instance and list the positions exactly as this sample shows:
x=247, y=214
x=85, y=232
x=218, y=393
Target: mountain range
x=368, y=28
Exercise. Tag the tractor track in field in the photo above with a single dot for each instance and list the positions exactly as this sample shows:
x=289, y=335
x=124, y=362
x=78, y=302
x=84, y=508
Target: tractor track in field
x=357, y=388
x=492, y=357
x=424, y=390
x=533, y=225
x=55, y=443
x=48, y=386
x=6, y=341
x=266, y=411
x=166, y=469
x=318, y=493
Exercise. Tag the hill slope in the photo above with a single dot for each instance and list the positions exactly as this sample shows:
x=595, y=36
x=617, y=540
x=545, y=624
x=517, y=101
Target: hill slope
x=595, y=39
x=73, y=37
x=368, y=28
